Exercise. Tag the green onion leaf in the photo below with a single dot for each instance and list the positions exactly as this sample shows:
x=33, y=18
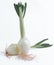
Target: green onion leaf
x=41, y=44
x=42, y=41
x=23, y=8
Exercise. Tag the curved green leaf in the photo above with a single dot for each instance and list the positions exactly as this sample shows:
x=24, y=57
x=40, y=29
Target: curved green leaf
x=41, y=44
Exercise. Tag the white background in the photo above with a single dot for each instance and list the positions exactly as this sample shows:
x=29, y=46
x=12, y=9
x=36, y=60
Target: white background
x=39, y=24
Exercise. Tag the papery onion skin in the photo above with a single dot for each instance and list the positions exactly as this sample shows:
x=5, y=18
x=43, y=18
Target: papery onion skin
x=12, y=50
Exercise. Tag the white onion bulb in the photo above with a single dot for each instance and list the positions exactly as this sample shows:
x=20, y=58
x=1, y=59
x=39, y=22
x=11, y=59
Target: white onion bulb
x=12, y=49
x=23, y=45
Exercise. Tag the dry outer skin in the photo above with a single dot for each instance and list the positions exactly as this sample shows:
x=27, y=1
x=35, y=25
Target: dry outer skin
x=12, y=50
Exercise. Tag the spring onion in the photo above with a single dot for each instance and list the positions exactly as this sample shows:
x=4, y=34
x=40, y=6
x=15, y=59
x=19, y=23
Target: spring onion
x=23, y=46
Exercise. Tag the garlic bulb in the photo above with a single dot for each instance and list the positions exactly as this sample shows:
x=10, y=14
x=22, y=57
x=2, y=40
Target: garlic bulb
x=23, y=45
x=12, y=50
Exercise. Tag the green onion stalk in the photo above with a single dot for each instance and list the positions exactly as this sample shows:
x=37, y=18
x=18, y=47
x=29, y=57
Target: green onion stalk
x=23, y=43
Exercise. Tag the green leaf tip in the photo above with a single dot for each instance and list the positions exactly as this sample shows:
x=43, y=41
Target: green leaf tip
x=23, y=8
x=42, y=41
x=41, y=44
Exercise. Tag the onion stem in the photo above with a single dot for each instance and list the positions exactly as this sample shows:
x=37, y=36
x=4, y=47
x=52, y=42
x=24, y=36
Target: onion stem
x=21, y=23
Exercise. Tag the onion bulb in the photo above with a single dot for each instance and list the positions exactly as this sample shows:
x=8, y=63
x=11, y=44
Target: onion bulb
x=24, y=45
x=12, y=50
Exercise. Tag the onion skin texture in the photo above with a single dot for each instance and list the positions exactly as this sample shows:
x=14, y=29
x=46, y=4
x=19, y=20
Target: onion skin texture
x=12, y=50
x=24, y=45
